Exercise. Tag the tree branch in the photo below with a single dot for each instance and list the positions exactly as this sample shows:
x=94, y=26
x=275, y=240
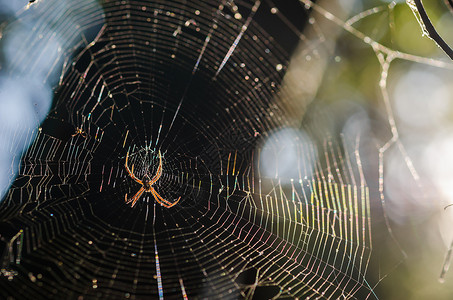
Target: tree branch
x=449, y=3
x=430, y=28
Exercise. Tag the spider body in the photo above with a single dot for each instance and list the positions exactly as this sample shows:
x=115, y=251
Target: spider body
x=81, y=132
x=147, y=185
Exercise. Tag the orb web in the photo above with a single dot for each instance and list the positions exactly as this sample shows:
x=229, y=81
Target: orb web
x=271, y=204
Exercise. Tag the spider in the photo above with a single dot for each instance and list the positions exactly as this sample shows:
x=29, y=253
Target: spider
x=147, y=185
x=81, y=132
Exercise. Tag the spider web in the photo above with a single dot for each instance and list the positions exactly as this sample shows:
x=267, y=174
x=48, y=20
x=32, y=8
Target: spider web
x=273, y=203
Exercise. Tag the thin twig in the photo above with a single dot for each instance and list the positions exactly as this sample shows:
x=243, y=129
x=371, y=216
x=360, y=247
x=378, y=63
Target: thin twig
x=431, y=30
x=449, y=3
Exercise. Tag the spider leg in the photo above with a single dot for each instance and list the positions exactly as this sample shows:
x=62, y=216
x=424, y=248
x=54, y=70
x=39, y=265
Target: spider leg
x=161, y=200
x=159, y=197
x=138, y=196
x=131, y=173
x=135, y=198
x=173, y=204
x=127, y=200
x=159, y=171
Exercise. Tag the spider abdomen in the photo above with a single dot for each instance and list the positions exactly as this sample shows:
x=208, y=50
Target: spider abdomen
x=147, y=185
